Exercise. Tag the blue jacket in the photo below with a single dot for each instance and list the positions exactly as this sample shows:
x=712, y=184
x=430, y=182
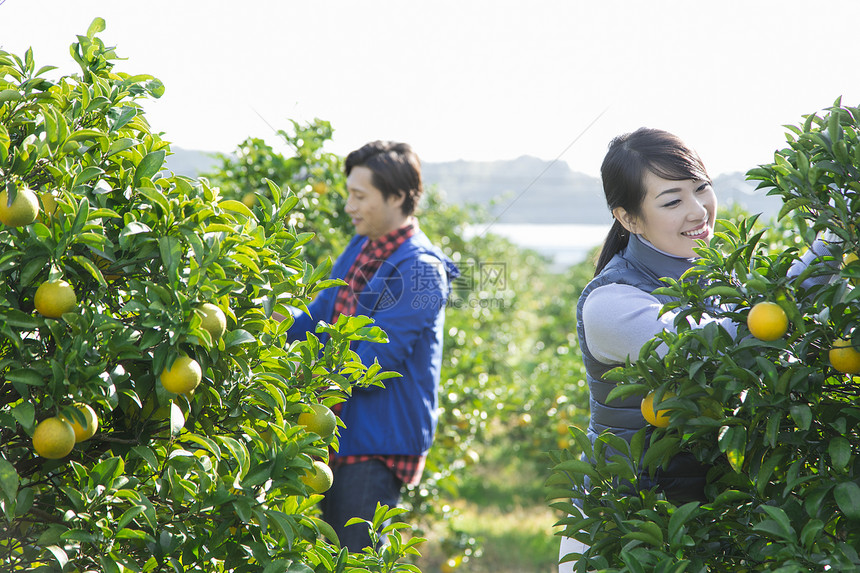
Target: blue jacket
x=406, y=298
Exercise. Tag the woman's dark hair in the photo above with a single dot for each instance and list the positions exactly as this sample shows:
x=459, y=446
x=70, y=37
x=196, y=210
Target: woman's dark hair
x=396, y=170
x=630, y=157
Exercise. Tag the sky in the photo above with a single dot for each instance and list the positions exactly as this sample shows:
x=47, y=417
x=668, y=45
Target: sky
x=468, y=79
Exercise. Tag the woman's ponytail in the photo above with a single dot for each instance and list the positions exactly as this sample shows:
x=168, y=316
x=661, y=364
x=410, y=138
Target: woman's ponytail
x=615, y=241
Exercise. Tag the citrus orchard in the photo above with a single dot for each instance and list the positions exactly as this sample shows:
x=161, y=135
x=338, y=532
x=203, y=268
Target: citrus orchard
x=22, y=211
x=183, y=375
x=767, y=321
x=54, y=298
x=54, y=438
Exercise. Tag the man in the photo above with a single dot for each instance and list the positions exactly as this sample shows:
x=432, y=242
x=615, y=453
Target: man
x=399, y=279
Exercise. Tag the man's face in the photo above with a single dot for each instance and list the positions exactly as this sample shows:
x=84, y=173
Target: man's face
x=372, y=214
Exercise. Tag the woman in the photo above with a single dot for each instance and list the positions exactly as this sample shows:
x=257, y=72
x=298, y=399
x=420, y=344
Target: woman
x=662, y=201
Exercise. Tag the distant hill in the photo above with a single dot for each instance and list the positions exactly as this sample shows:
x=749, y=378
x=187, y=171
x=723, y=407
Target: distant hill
x=523, y=190
x=191, y=163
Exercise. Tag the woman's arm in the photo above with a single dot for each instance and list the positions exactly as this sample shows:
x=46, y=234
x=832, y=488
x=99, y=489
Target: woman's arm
x=619, y=319
x=827, y=244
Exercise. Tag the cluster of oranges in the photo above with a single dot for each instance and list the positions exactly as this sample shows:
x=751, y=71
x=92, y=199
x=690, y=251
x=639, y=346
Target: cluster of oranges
x=56, y=436
x=767, y=321
x=319, y=420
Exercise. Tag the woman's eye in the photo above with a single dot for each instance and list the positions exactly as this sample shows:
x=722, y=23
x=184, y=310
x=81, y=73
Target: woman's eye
x=702, y=187
x=672, y=203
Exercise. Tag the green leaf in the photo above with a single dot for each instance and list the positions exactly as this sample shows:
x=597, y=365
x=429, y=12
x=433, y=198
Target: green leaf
x=792, y=205
x=146, y=454
x=236, y=207
x=840, y=452
x=732, y=441
x=177, y=419
x=9, y=95
x=580, y=467
x=239, y=452
x=678, y=520
x=105, y=472
x=59, y=554
x=622, y=391
x=85, y=134
x=25, y=414
x=97, y=25
x=8, y=480
x=149, y=166
x=847, y=495
x=802, y=415
x=809, y=534
x=25, y=376
x=780, y=518
x=237, y=337
x=129, y=515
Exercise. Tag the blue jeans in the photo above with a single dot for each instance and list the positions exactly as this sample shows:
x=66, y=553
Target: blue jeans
x=355, y=492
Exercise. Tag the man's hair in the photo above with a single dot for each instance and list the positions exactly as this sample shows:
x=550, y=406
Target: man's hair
x=396, y=170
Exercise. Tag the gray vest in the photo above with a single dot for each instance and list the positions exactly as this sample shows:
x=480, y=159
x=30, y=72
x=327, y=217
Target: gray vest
x=640, y=266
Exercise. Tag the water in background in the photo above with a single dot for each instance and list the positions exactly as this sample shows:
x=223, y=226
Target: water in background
x=566, y=244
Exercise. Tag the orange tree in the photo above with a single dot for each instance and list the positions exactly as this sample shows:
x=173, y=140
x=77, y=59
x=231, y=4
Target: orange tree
x=314, y=176
x=156, y=283
x=776, y=422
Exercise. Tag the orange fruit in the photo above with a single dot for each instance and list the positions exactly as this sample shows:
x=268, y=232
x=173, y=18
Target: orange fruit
x=320, y=420
x=183, y=376
x=844, y=357
x=659, y=418
x=319, y=478
x=83, y=433
x=22, y=211
x=54, y=438
x=53, y=298
x=767, y=321
x=213, y=320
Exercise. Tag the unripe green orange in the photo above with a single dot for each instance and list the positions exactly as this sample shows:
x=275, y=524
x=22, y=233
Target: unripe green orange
x=23, y=210
x=54, y=298
x=54, y=438
x=321, y=420
x=319, y=478
x=213, y=320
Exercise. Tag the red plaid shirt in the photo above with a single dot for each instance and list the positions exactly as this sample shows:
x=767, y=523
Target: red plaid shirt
x=407, y=468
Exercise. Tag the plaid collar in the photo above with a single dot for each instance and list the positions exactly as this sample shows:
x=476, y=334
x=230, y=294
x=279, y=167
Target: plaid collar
x=384, y=246
x=368, y=261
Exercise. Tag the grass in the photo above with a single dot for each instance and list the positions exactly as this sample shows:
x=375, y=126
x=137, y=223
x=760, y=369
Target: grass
x=500, y=524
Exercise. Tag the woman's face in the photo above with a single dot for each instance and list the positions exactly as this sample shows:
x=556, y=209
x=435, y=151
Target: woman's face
x=674, y=214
